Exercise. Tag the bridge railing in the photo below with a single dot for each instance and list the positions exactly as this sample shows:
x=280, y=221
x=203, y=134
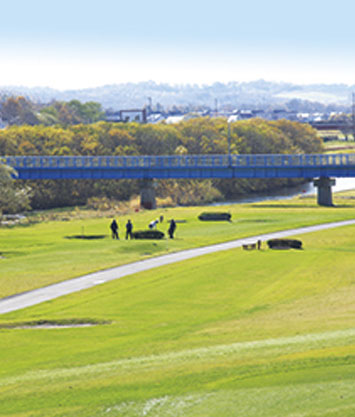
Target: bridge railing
x=178, y=161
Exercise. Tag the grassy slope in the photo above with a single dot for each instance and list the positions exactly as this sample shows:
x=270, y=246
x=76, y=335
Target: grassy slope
x=39, y=254
x=339, y=146
x=179, y=340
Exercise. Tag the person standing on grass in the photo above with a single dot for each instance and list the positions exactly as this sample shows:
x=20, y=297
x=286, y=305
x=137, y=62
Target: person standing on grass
x=172, y=228
x=129, y=229
x=114, y=229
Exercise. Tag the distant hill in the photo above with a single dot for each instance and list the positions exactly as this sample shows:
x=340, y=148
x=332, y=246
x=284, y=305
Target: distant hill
x=256, y=94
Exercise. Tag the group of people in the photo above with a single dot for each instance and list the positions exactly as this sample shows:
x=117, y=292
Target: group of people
x=129, y=228
x=115, y=229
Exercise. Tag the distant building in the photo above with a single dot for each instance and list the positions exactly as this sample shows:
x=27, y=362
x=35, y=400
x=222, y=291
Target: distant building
x=233, y=118
x=281, y=114
x=155, y=118
x=129, y=115
x=174, y=119
x=304, y=117
x=245, y=114
x=134, y=115
x=318, y=117
x=113, y=116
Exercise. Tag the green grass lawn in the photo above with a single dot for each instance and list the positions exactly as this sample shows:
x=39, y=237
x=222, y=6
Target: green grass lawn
x=36, y=255
x=237, y=333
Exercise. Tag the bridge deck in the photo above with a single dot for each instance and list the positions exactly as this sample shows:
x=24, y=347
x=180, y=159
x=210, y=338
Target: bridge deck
x=183, y=166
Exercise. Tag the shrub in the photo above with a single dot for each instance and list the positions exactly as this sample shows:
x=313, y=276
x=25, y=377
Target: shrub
x=213, y=216
x=284, y=244
x=148, y=234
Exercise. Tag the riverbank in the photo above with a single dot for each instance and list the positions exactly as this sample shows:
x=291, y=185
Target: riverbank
x=39, y=254
x=267, y=333
x=106, y=208
x=31, y=298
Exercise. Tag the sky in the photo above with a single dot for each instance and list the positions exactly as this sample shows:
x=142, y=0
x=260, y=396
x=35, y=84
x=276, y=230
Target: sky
x=73, y=44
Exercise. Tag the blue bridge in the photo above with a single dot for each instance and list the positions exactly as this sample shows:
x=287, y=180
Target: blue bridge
x=185, y=166
x=189, y=166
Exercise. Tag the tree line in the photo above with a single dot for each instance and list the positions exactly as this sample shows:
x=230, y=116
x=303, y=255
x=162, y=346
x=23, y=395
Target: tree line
x=21, y=111
x=195, y=136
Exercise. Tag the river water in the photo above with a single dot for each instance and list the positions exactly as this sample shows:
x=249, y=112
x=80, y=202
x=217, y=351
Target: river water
x=341, y=184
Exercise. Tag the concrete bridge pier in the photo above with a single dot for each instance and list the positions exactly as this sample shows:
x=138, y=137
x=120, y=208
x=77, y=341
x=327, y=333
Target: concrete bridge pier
x=148, y=194
x=324, y=195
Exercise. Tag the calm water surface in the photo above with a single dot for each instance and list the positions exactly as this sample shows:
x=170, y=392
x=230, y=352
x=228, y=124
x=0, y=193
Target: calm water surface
x=341, y=184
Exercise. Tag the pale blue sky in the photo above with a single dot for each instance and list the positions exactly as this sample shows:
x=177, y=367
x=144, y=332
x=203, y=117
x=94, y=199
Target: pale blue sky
x=78, y=44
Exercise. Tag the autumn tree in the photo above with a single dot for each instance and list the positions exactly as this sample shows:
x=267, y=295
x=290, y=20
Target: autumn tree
x=303, y=137
x=195, y=136
x=19, y=111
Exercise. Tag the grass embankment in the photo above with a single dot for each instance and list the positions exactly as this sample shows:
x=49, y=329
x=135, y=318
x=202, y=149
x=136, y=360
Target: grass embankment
x=40, y=254
x=237, y=333
x=339, y=146
x=267, y=333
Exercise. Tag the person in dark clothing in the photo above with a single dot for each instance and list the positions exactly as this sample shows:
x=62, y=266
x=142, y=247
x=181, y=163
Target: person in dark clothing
x=172, y=228
x=114, y=229
x=129, y=229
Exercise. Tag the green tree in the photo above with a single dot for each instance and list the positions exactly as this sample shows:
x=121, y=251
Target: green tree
x=71, y=113
x=89, y=112
x=12, y=199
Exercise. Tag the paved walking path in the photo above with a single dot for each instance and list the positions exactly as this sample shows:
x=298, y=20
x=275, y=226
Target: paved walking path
x=30, y=298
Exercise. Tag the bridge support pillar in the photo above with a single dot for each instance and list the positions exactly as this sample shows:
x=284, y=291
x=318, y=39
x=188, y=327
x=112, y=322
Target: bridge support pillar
x=324, y=194
x=148, y=194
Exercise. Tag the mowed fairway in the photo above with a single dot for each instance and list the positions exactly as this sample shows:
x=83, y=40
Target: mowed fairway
x=40, y=254
x=236, y=333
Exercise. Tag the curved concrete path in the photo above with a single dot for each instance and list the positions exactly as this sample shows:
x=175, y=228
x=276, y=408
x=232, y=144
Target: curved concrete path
x=30, y=298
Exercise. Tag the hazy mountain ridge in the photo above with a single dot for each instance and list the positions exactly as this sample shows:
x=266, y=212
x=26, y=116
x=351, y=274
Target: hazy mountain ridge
x=236, y=94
